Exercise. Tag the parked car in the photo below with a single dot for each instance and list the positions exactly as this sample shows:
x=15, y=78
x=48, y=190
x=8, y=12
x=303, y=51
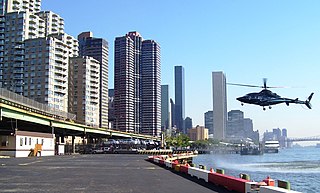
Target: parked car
x=111, y=142
x=107, y=150
x=98, y=150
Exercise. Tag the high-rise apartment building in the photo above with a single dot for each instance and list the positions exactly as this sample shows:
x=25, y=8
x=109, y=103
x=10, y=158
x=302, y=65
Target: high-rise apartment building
x=219, y=96
x=54, y=24
x=179, y=98
x=165, y=107
x=84, y=89
x=19, y=27
x=21, y=5
x=99, y=50
x=137, y=45
x=46, y=69
x=36, y=52
x=137, y=71
x=208, y=121
x=124, y=90
x=150, y=90
x=17, y=23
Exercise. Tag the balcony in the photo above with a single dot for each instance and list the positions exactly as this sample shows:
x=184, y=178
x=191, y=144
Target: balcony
x=20, y=71
x=94, y=82
x=59, y=90
x=19, y=52
x=62, y=73
x=60, y=78
x=18, y=77
x=19, y=65
x=19, y=46
x=19, y=59
x=94, y=86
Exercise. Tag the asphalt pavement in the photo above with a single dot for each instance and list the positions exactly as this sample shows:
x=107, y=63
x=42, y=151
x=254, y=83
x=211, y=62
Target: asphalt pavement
x=114, y=173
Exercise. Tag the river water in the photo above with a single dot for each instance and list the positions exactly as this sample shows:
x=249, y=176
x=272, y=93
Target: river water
x=299, y=166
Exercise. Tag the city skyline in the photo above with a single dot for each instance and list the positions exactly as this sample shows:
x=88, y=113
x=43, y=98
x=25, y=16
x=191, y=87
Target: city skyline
x=247, y=40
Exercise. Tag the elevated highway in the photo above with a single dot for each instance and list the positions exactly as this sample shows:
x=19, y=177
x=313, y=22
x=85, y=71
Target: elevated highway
x=20, y=113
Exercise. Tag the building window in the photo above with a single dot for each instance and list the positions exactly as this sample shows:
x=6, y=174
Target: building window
x=21, y=141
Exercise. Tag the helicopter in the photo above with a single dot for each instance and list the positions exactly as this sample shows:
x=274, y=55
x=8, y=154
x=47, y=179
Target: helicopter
x=267, y=98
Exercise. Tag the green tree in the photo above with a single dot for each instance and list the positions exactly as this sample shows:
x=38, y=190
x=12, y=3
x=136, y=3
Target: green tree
x=181, y=140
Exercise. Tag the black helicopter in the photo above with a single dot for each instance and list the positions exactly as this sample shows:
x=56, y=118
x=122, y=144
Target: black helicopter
x=267, y=98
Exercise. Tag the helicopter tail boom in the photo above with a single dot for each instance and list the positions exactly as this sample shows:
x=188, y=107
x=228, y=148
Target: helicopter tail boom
x=307, y=102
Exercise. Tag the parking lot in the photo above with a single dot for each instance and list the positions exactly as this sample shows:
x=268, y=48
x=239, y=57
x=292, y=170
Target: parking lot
x=114, y=173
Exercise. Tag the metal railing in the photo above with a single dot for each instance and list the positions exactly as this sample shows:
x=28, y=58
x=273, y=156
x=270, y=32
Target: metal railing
x=19, y=99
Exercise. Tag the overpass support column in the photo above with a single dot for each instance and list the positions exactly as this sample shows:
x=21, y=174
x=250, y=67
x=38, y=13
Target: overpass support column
x=73, y=144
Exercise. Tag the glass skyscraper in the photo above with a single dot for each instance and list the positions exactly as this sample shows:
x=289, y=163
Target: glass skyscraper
x=165, y=106
x=179, y=98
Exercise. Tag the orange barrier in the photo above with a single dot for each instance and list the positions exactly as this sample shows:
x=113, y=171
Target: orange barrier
x=184, y=169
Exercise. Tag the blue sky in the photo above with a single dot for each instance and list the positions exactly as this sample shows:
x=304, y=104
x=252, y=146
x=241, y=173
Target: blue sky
x=248, y=40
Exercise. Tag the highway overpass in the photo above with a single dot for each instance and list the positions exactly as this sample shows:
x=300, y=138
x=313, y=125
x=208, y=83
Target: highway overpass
x=18, y=113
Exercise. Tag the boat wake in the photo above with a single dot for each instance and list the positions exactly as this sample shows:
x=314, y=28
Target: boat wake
x=280, y=167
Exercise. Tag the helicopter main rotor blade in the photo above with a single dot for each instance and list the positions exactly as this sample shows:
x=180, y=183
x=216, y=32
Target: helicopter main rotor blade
x=255, y=86
x=247, y=85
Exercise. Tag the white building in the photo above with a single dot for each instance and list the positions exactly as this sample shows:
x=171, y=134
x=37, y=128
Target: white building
x=46, y=69
x=25, y=143
x=219, y=96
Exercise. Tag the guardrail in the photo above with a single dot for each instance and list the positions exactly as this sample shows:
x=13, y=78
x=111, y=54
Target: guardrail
x=13, y=97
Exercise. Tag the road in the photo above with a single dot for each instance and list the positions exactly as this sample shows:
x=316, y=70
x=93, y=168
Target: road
x=114, y=173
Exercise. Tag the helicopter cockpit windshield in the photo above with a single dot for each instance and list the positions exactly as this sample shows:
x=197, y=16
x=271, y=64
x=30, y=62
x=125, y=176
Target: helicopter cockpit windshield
x=269, y=93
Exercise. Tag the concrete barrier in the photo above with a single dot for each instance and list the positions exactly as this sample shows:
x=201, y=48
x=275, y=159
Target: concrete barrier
x=272, y=189
x=229, y=182
x=199, y=173
x=168, y=164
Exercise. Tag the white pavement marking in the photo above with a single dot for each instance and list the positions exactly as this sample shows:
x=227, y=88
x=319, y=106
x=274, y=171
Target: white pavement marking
x=26, y=164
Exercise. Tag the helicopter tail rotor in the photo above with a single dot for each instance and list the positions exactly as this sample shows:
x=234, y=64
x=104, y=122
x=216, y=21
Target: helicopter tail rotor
x=307, y=102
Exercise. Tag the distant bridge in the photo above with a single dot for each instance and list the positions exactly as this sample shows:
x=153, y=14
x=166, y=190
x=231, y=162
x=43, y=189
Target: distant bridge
x=314, y=138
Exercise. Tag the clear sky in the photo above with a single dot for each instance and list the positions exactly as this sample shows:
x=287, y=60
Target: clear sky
x=248, y=40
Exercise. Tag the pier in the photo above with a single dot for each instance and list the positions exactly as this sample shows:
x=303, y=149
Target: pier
x=119, y=173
